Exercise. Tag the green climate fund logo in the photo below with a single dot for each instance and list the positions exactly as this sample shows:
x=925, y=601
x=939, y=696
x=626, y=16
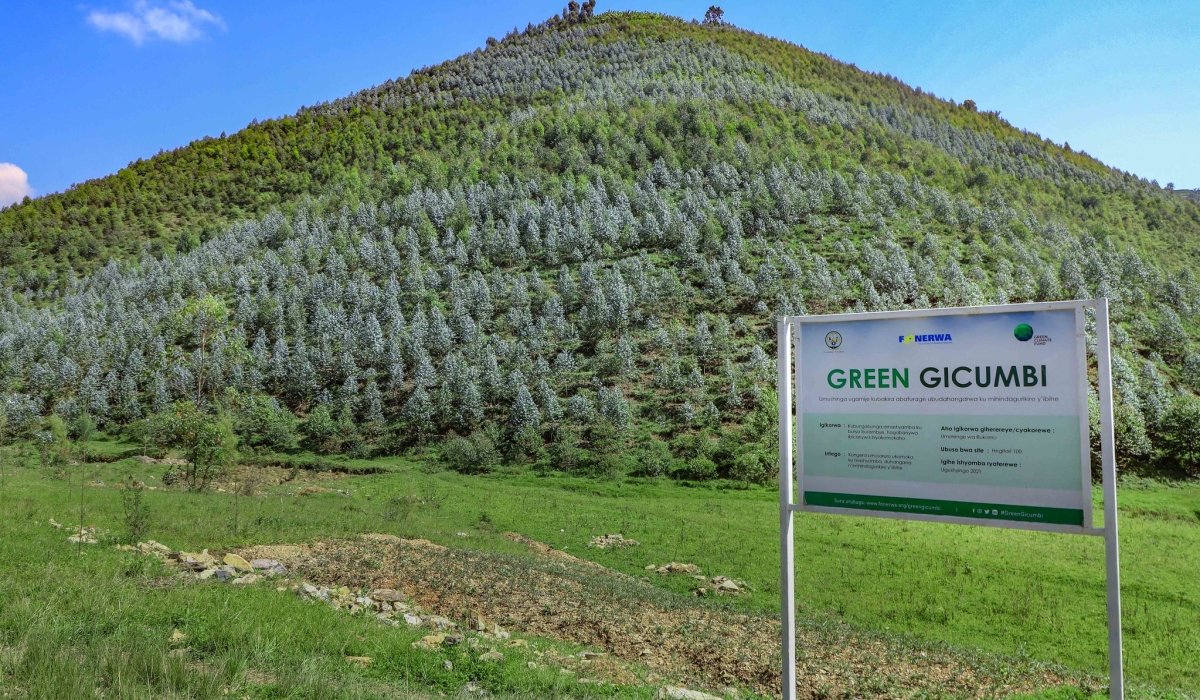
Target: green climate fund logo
x=1023, y=332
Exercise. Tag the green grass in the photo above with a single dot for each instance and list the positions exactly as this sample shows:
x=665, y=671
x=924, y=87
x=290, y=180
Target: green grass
x=1007, y=592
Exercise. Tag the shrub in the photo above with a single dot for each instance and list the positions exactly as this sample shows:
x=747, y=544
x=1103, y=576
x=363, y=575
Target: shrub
x=474, y=455
x=752, y=467
x=1181, y=434
x=698, y=469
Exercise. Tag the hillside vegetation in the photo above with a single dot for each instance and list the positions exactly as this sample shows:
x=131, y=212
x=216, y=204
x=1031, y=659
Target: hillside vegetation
x=568, y=250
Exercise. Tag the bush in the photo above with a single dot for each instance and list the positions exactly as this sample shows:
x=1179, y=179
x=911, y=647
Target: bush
x=653, y=459
x=474, y=455
x=321, y=431
x=752, y=467
x=698, y=469
x=1180, y=436
x=261, y=423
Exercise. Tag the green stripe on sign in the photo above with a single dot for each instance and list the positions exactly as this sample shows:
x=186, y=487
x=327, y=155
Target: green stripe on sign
x=957, y=509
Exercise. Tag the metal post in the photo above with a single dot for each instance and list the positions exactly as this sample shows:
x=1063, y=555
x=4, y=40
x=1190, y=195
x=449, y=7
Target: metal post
x=787, y=585
x=1116, y=674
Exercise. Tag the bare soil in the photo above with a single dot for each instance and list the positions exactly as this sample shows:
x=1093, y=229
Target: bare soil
x=556, y=595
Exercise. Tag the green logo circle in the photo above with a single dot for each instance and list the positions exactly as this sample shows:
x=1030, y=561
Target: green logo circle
x=1023, y=332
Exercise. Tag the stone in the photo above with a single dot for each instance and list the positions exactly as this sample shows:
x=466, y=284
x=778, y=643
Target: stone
x=360, y=661
x=207, y=574
x=429, y=642
x=531, y=664
x=606, y=541
x=386, y=595
x=499, y=632
x=53, y=523
x=518, y=643
x=453, y=640
x=237, y=562
x=722, y=583
x=673, y=693
x=222, y=575
x=440, y=623
x=412, y=619
x=177, y=636
x=448, y=664
x=678, y=568
x=589, y=655
x=492, y=655
x=246, y=580
x=269, y=567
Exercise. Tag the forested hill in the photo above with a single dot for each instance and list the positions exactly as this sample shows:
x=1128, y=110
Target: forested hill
x=463, y=122
x=568, y=249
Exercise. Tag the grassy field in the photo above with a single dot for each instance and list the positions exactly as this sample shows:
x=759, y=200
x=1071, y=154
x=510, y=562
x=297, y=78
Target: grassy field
x=1032, y=595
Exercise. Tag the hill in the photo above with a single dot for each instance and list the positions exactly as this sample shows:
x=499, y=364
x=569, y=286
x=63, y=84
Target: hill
x=568, y=249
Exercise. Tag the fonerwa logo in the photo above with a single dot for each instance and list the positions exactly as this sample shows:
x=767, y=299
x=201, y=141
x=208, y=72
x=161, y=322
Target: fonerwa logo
x=925, y=338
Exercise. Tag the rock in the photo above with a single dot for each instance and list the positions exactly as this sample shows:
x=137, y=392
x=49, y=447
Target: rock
x=589, y=655
x=247, y=580
x=461, y=534
x=360, y=661
x=386, y=595
x=237, y=562
x=650, y=567
x=606, y=541
x=269, y=567
x=678, y=568
x=430, y=642
x=222, y=575
x=453, y=640
x=492, y=655
x=55, y=524
x=448, y=665
x=177, y=636
x=518, y=643
x=673, y=693
x=499, y=632
x=531, y=664
x=412, y=619
x=159, y=547
x=440, y=623
x=207, y=574
x=722, y=583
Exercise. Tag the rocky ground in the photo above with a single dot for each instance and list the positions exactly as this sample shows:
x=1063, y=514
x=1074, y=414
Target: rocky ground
x=630, y=621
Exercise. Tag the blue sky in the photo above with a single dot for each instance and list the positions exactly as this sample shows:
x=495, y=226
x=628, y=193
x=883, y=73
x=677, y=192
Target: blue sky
x=87, y=88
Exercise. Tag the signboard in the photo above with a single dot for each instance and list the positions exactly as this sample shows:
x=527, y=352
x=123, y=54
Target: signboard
x=975, y=416
x=979, y=416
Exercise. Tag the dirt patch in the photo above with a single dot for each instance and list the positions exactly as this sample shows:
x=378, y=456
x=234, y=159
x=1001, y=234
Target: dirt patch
x=559, y=596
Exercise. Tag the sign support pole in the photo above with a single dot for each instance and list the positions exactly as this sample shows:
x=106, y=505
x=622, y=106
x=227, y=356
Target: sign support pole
x=1116, y=673
x=787, y=581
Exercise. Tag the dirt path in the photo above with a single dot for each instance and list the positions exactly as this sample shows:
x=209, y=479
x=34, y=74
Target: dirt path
x=564, y=598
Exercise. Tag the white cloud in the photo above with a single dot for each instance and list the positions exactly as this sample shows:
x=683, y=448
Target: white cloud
x=14, y=184
x=179, y=20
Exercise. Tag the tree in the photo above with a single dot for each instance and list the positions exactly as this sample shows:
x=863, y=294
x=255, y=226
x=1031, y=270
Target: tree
x=714, y=16
x=207, y=441
x=204, y=316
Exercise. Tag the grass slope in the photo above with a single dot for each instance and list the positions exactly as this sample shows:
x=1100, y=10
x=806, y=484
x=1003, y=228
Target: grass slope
x=1034, y=595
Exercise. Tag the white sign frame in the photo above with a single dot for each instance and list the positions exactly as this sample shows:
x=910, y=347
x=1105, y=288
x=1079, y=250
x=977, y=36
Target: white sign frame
x=791, y=466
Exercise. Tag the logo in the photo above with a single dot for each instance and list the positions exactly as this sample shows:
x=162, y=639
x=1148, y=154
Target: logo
x=1023, y=332
x=925, y=338
x=833, y=340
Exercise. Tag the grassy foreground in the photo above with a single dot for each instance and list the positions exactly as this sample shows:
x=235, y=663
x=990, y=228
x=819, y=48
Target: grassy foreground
x=69, y=621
